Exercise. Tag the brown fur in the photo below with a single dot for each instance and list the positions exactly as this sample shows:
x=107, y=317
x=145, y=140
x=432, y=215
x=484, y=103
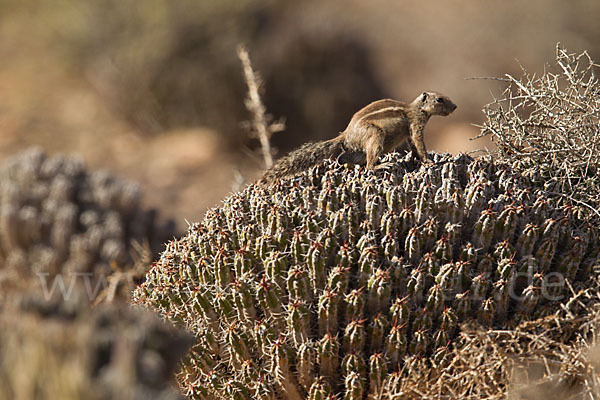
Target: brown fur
x=376, y=129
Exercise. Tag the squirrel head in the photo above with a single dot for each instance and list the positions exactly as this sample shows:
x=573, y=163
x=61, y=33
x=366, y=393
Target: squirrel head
x=433, y=103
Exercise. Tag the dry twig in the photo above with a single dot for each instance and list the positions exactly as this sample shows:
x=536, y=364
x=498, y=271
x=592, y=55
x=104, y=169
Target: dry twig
x=261, y=125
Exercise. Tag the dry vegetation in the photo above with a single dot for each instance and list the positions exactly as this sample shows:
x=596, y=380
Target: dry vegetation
x=550, y=125
x=261, y=126
x=555, y=356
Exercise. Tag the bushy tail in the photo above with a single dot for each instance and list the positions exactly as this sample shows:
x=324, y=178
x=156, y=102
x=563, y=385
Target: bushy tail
x=302, y=158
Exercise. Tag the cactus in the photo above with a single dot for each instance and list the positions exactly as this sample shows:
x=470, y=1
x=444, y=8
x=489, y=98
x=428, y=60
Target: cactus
x=328, y=282
x=62, y=349
x=57, y=217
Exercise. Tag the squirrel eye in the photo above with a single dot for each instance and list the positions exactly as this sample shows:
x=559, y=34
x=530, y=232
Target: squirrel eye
x=439, y=100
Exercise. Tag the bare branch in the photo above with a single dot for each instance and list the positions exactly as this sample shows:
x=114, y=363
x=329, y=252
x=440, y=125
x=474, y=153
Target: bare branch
x=261, y=125
x=553, y=120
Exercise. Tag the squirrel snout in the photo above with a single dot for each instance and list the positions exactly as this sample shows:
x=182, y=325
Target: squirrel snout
x=451, y=109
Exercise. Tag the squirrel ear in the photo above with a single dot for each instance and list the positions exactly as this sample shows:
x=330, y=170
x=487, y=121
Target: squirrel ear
x=424, y=96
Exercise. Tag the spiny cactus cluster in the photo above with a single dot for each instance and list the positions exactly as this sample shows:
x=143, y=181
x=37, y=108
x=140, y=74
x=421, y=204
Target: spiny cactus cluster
x=327, y=283
x=57, y=349
x=55, y=216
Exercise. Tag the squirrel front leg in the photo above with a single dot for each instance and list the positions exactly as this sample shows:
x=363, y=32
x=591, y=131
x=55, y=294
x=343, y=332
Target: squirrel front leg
x=416, y=138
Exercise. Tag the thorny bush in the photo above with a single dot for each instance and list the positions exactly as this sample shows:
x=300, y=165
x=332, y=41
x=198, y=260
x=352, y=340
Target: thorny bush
x=550, y=126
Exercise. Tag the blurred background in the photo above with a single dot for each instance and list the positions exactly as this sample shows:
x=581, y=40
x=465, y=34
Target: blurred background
x=153, y=90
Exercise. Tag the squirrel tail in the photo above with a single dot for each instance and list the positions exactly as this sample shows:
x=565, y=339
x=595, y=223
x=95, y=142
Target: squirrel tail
x=303, y=158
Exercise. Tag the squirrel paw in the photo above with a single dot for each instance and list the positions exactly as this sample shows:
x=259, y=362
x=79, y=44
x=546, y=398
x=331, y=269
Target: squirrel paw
x=384, y=165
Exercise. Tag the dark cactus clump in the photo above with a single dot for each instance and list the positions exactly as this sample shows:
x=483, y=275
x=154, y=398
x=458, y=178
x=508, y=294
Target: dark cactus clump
x=58, y=217
x=62, y=349
x=326, y=284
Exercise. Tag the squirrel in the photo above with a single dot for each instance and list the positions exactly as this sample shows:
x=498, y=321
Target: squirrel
x=376, y=129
